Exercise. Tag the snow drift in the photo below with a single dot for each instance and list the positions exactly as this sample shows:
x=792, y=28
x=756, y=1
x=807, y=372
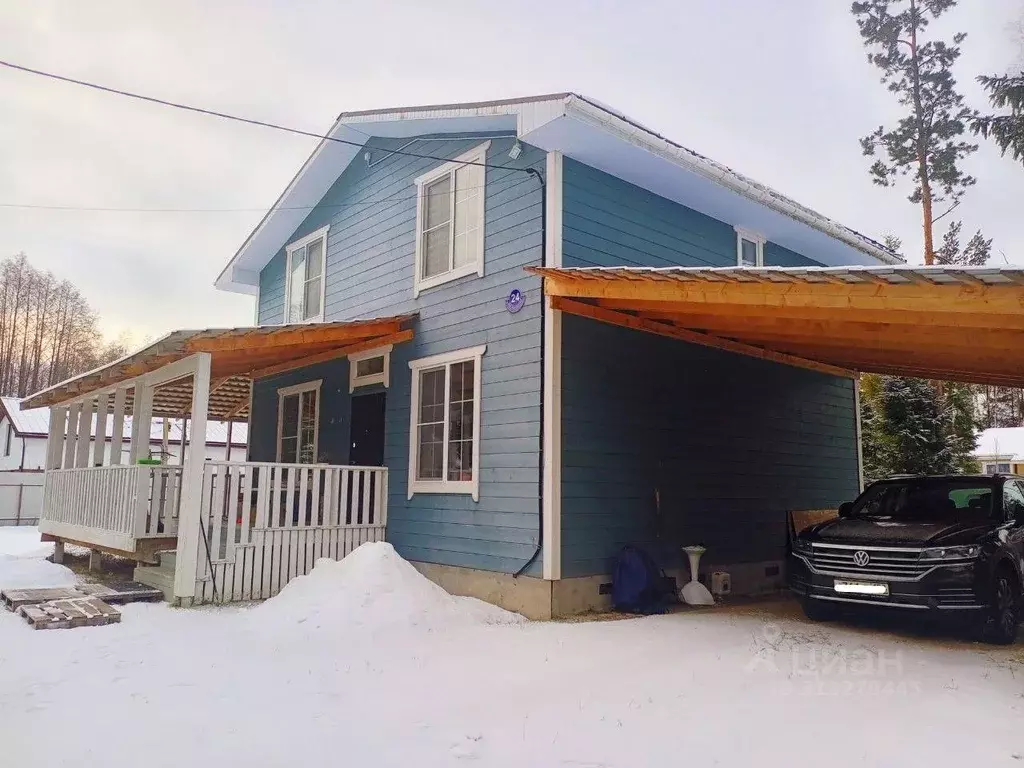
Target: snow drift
x=22, y=565
x=373, y=589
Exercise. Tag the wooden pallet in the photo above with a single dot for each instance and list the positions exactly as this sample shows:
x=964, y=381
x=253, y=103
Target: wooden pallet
x=120, y=593
x=73, y=612
x=13, y=599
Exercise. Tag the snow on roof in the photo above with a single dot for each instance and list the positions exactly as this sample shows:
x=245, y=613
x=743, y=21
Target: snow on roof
x=36, y=422
x=1005, y=442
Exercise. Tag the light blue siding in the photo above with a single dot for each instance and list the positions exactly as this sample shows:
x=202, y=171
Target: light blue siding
x=370, y=263
x=610, y=222
x=666, y=444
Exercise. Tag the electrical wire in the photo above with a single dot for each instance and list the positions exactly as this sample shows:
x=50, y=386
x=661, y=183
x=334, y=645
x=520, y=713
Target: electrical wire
x=238, y=118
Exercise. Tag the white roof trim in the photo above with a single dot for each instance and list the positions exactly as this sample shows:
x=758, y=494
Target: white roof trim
x=580, y=128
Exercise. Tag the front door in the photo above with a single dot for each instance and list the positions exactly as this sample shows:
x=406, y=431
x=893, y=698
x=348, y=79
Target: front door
x=367, y=448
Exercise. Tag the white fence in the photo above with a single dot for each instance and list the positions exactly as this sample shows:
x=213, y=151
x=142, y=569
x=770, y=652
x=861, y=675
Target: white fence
x=21, y=497
x=263, y=524
x=111, y=506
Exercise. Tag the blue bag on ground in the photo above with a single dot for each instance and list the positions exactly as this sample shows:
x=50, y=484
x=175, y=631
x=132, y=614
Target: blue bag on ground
x=638, y=585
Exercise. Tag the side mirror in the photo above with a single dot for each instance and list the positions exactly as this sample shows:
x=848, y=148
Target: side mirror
x=846, y=509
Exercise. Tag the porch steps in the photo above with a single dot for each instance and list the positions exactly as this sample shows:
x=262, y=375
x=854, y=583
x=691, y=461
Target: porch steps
x=159, y=576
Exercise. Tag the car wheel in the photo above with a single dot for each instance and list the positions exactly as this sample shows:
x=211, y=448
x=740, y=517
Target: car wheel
x=818, y=610
x=1004, y=616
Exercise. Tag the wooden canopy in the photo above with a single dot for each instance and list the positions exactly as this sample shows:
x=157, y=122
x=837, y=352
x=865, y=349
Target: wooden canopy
x=951, y=323
x=238, y=356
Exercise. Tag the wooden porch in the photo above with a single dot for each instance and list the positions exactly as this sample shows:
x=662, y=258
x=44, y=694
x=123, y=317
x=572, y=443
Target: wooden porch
x=238, y=530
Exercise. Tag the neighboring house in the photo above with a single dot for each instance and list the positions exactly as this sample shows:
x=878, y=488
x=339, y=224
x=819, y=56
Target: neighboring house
x=23, y=435
x=413, y=377
x=1001, y=450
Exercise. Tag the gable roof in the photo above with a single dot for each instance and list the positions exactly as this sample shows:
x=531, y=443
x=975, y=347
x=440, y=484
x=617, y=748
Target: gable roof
x=1004, y=442
x=583, y=129
x=35, y=422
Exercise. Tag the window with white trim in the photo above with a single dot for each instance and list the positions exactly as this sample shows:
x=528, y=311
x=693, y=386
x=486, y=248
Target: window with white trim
x=450, y=221
x=444, y=429
x=749, y=249
x=304, y=278
x=997, y=468
x=298, y=423
x=370, y=367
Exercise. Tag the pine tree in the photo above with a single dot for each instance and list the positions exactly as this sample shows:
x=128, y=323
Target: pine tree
x=1007, y=130
x=975, y=254
x=926, y=143
x=908, y=426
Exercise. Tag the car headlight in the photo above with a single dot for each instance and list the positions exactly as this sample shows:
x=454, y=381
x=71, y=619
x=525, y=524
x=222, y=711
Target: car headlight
x=802, y=546
x=951, y=553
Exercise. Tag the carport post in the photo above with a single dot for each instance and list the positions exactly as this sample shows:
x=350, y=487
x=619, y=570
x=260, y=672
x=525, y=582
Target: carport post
x=860, y=434
x=190, y=517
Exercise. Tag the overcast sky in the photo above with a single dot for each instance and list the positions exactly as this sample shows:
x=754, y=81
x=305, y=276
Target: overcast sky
x=778, y=90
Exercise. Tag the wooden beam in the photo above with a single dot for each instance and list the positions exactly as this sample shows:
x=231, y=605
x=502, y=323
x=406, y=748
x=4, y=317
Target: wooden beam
x=310, y=334
x=937, y=319
x=840, y=354
x=863, y=296
x=692, y=337
x=331, y=354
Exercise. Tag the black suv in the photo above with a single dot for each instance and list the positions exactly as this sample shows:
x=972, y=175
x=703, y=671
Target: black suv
x=950, y=545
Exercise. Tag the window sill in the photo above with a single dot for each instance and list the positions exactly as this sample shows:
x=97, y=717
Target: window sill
x=447, y=277
x=450, y=487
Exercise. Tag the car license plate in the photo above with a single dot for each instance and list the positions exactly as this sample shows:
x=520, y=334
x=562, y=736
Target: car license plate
x=861, y=588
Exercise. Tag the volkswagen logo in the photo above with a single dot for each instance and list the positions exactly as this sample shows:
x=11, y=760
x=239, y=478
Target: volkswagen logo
x=861, y=558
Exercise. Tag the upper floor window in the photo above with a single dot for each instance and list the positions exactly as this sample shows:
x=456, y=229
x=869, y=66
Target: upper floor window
x=304, y=281
x=749, y=249
x=450, y=221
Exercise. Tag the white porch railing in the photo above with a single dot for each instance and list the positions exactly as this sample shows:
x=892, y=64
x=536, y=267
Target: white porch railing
x=263, y=524
x=112, y=506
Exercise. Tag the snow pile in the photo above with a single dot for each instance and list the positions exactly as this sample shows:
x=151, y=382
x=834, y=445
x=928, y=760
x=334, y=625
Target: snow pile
x=373, y=589
x=22, y=565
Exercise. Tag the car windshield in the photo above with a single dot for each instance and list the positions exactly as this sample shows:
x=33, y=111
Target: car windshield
x=952, y=500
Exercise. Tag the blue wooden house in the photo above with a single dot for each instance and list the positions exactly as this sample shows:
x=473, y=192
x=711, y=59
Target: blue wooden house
x=521, y=440
x=511, y=337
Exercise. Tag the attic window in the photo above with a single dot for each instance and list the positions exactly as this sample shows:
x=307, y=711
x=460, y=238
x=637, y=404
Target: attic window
x=304, y=278
x=749, y=249
x=370, y=367
x=450, y=221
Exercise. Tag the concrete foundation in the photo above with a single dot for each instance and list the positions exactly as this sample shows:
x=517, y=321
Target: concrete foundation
x=540, y=599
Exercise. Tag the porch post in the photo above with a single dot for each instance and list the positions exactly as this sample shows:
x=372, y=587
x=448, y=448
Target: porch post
x=99, y=448
x=71, y=435
x=55, y=436
x=117, y=429
x=84, y=433
x=142, y=415
x=190, y=517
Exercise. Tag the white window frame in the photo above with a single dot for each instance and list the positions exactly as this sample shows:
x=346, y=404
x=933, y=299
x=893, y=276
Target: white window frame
x=296, y=389
x=476, y=155
x=384, y=377
x=289, y=250
x=758, y=239
x=444, y=485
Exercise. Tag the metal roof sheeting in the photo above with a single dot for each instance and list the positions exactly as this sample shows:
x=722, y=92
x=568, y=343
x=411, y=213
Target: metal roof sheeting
x=853, y=275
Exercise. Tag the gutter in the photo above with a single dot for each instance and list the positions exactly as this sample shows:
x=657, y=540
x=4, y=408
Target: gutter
x=644, y=138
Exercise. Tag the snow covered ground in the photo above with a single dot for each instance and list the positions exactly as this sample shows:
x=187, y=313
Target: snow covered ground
x=364, y=663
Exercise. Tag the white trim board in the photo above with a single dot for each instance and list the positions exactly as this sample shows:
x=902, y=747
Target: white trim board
x=551, y=564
